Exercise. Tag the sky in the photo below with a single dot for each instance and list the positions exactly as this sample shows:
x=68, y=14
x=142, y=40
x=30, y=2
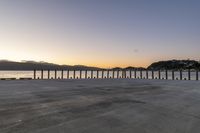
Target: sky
x=103, y=33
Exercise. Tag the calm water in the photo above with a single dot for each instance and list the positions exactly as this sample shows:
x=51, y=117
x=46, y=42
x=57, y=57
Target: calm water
x=19, y=74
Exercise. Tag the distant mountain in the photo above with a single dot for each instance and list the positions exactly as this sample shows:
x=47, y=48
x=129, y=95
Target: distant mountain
x=175, y=65
x=134, y=68
x=128, y=68
x=161, y=65
x=31, y=65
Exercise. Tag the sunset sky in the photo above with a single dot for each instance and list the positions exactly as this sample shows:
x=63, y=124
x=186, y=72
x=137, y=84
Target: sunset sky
x=103, y=33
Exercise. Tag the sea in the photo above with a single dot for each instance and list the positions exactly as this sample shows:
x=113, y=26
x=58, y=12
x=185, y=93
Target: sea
x=30, y=74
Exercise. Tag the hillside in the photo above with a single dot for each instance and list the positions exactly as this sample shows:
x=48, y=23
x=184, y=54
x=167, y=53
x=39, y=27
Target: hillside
x=161, y=65
x=175, y=65
x=31, y=65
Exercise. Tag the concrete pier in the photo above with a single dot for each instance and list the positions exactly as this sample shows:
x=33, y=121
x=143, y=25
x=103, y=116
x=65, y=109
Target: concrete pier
x=99, y=106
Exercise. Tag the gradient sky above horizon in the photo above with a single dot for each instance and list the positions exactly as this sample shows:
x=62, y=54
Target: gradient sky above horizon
x=102, y=33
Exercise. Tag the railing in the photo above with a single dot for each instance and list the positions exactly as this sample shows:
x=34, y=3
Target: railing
x=114, y=74
x=149, y=74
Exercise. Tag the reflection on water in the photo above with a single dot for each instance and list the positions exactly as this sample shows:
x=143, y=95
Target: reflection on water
x=89, y=74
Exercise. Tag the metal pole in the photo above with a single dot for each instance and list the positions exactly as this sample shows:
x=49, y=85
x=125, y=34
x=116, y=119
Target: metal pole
x=172, y=74
x=147, y=74
x=181, y=76
x=166, y=74
x=117, y=73
x=125, y=73
x=107, y=73
x=48, y=74
x=189, y=76
x=55, y=74
x=67, y=74
x=34, y=74
x=197, y=75
x=152, y=74
x=130, y=74
x=135, y=74
x=42, y=74
x=74, y=74
x=62, y=74
x=102, y=75
x=159, y=75
x=80, y=74
x=141, y=74
x=91, y=74
x=85, y=74
x=113, y=74
x=97, y=74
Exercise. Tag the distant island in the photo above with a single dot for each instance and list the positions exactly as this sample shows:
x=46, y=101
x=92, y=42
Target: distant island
x=161, y=65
